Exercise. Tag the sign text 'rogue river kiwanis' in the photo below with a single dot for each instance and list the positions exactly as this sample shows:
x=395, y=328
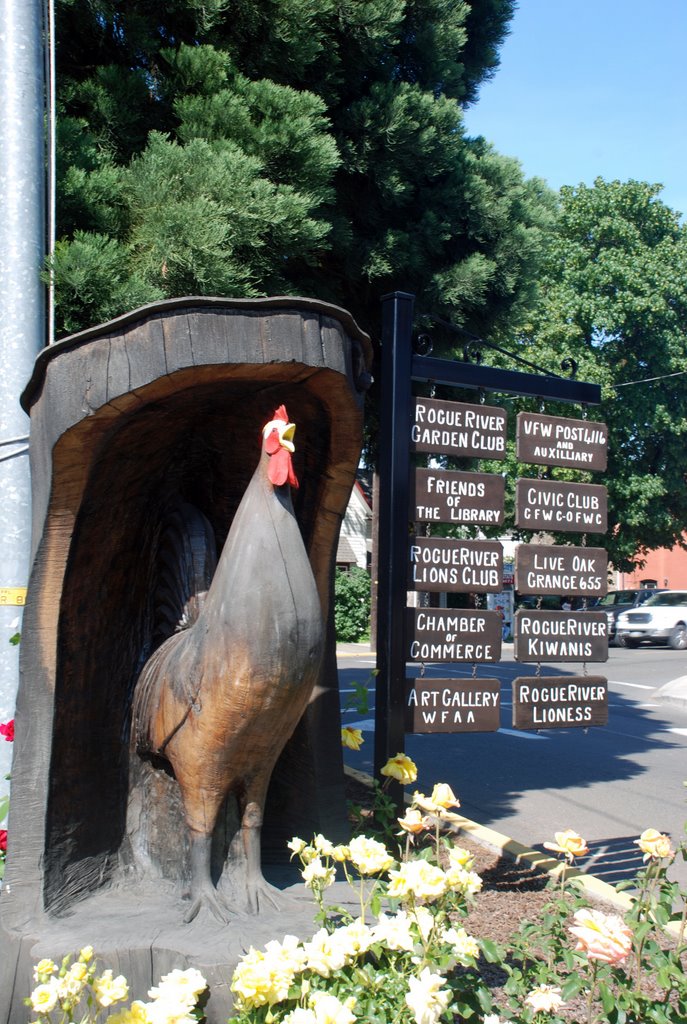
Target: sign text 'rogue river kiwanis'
x=560, y=636
x=455, y=428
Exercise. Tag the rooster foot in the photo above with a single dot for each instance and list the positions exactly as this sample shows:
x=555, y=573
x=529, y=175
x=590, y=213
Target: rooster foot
x=207, y=899
x=259, y=893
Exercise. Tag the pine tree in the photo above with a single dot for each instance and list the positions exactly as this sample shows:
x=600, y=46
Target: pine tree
x=251, y=147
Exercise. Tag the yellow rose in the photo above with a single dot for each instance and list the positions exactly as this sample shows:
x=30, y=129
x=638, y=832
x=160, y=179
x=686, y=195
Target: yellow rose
x=401, y=768
x=351, y=738
x=369, y=856
x=569, y=843
x=438, y=803
x=44, y=997
x=419, y=878
x=413, y=822
x=654, y=845
x=109, y=990
x=544, y=999
x=43, y=969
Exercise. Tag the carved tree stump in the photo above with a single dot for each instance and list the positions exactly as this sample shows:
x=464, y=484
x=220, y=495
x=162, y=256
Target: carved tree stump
x=125, y=418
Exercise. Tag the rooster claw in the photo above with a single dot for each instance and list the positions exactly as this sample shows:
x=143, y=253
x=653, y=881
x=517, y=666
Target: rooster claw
x=260, y=893
x=207, y=900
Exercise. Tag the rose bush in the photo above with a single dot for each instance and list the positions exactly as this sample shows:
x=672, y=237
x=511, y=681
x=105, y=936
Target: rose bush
x=76, y=992
x=407, y=956
x=7, y=732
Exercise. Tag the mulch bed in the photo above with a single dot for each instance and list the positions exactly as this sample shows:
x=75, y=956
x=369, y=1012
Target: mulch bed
x=510, y=893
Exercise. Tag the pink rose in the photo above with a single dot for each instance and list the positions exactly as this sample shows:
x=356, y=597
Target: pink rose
x=3, y=840
x=7, y=730
x=603, y=937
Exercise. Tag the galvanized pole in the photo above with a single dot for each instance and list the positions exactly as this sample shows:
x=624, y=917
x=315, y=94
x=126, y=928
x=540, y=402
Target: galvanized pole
x=22, y=309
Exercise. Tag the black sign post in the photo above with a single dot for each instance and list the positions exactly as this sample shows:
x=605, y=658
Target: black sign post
x=400, y=366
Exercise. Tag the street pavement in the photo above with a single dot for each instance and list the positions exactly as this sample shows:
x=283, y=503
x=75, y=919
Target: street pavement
x=607, y=783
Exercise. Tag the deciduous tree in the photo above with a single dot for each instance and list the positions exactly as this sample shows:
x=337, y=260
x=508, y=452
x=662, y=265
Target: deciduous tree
x=614, y=296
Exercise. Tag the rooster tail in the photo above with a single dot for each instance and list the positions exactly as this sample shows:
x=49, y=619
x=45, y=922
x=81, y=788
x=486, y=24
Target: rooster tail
x=186, y=563
x=186, y=560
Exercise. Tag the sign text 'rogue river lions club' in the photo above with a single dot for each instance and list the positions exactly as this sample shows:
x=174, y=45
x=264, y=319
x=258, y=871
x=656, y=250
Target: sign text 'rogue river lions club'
x=453, y=705
x=453, y=634
x=449, y=496
x=560, y=636
x=556, y=441
x=455, y=428
x=545, y=569
x=559, y=702
x=440, y=564
x=555, y=505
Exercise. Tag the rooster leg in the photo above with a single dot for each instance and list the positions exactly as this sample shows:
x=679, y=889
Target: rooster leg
x=257, y=889
x=203, y=892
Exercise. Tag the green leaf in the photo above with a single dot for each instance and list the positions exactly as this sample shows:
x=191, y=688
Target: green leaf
x=490, y=950
x=572, y=985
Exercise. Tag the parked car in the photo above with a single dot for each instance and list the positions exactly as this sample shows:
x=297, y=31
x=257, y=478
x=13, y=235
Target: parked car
x=660, y=620
x=617, y=601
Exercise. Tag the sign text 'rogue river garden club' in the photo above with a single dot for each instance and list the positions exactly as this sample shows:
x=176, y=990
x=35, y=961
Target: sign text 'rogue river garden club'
x=444, y=565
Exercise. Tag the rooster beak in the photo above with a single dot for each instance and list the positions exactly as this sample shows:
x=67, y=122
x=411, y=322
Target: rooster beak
x=287, y=435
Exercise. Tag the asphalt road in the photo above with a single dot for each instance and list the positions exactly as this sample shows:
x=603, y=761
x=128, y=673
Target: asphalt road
x=607, y=783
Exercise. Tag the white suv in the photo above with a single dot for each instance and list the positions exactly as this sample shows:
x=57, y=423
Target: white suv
x=660, y=620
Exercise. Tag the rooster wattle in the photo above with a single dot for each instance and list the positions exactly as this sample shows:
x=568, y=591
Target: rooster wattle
x=219, y=700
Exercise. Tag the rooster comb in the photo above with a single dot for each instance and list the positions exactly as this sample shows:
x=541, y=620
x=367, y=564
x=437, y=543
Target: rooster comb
x=281, y=414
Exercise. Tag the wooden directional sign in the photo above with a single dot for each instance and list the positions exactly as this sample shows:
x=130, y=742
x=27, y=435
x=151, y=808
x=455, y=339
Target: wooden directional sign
x=445, y=496
x=440, y=564
x=559, y=702
x=555, y=505
x=453, y=705
x=556, y=441
x=560, y=636
x=455, y=428
x=453, y=634
x=545, y=569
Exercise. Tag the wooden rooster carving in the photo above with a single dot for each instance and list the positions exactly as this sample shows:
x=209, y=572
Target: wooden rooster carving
x=219, y=699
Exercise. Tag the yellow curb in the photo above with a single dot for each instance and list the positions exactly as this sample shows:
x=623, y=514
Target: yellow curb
x=594, y=886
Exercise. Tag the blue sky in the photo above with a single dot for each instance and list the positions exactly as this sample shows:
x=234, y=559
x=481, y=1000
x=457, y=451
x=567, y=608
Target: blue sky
x=590, y=88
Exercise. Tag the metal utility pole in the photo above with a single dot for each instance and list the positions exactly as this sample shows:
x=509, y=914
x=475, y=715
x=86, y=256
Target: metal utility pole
x=22, y=307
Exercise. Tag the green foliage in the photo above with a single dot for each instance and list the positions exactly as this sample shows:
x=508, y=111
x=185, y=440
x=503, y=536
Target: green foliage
x=614, y=297
x=314, y=147
x=352, y=604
